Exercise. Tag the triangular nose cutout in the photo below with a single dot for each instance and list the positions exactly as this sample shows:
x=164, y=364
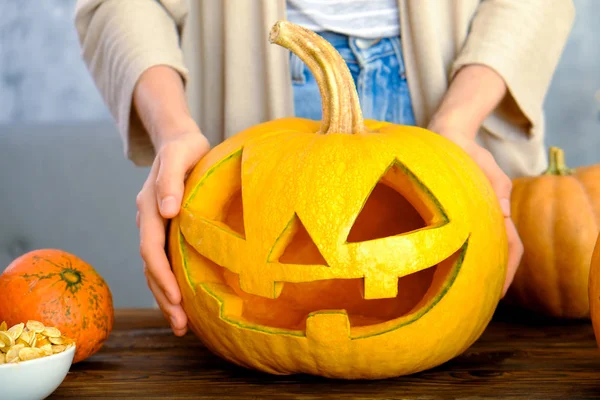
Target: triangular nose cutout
x=295, y=246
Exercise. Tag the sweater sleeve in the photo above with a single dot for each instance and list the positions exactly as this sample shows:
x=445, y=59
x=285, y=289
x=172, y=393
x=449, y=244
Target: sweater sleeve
x=119, y=41
x=522, y=41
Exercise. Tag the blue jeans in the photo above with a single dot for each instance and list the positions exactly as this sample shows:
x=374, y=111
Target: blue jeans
x=377, y=67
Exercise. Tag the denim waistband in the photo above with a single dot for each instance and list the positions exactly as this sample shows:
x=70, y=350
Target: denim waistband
x=355, y=49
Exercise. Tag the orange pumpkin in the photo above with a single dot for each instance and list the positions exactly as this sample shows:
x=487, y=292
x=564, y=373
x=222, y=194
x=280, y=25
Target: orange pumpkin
x=557, y=215
x=594, y=290
x=58, y=289
x=346, y=248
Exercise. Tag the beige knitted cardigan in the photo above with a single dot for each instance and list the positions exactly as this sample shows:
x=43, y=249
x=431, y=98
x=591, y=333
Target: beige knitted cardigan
x=235, y=78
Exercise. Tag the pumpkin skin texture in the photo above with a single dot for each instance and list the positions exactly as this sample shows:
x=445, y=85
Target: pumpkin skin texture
x=343, y=248
x=58, y=289
x=557, y=215
x=594, y=290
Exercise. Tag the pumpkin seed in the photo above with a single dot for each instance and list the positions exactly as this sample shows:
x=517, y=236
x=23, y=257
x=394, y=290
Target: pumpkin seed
x=30, y=340
x=16, y=330
x=30, y=353
x=41, y=340
x=13, y=352
x=33, y=340
x=25, y=338
x=12, y=360
x=35, y=326
x=6, y=339
x=56, y=340
x=50, y=331
x=58, y=348
x=48, y=350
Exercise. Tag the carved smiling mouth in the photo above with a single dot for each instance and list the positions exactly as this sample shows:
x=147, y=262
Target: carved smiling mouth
x=385, y=213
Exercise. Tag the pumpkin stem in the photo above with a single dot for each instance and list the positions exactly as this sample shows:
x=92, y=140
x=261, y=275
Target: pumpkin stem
x=341, y=108
x=556, y=163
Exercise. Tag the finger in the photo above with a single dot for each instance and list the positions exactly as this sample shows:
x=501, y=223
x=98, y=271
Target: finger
x=503, y=187
x=152, y=246
x=174, y=313
x=175, y=162
x=515, y=252
x=501, y=183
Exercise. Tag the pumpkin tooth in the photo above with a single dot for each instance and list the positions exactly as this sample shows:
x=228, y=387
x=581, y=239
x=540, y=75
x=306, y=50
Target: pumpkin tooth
x=383, y=287
x=233, y=305
x=278, y=288
x=257, y=287
x=328, y=326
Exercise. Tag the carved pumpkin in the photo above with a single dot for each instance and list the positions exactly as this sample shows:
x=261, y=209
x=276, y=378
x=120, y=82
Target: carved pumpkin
x=594, y=290
x=58, y=289
x=346, y=248
x=557, y=215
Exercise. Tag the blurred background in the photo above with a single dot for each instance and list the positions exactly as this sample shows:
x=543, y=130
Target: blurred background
x=65, y=183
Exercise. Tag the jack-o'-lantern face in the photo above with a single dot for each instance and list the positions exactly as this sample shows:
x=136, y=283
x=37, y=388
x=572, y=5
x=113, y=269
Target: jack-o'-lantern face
x=367, y=254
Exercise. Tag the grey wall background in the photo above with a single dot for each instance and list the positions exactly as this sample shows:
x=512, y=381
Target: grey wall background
x=65, y=183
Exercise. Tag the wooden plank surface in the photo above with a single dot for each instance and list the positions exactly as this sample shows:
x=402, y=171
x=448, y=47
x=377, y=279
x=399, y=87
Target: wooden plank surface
x=518, y=357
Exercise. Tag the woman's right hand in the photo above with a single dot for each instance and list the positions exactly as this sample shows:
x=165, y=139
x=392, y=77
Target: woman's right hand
x=159, y=99
x=159, y=200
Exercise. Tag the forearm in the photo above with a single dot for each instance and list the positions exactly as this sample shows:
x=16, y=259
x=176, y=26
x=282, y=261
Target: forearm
x=120, y=40
x=522, y=42
x=473, y=94
x=159, y=99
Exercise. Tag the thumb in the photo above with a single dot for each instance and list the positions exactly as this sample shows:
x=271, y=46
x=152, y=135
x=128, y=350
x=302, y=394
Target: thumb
x=174, y=163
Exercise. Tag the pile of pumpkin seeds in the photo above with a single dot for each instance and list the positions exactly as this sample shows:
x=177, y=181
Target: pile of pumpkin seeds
x=31, y=340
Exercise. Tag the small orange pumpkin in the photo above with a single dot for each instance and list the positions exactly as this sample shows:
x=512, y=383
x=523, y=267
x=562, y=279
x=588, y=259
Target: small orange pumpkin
x=557, y=215
x=594, y=290
x=58, y=289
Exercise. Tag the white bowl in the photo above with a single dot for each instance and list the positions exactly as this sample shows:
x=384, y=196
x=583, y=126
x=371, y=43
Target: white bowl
x=35, y=379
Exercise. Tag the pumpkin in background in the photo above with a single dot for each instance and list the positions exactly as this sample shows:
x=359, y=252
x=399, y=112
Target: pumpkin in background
x=346, y=248
x=557, y=215
x=58, y=289
x=594, y=290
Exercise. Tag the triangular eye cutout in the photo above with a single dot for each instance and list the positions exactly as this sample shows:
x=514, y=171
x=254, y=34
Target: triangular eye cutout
x=295, y=246
x=233, y=213
x=398, y=204
x=222, y=189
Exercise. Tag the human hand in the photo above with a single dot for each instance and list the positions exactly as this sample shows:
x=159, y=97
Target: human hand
x=159, y=200
x=502, y=186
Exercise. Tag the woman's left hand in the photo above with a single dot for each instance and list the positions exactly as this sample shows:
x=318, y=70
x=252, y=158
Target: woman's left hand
x=502, y=186
x=474, y=92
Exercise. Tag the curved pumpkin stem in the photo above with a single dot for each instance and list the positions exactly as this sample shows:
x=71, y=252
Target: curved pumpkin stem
x=556, y=163
x=341, y=108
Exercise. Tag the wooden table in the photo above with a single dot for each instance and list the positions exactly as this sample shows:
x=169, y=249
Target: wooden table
x=518, y=357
